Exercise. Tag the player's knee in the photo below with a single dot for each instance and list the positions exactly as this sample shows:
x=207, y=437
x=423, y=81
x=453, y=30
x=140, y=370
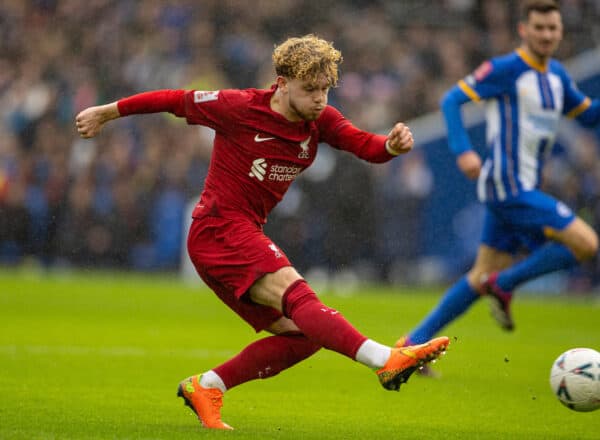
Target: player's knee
x=588, y=249
x=581, y=239
x=475, y=279
x=270, y=289
x=295, y=296
x=284, y=327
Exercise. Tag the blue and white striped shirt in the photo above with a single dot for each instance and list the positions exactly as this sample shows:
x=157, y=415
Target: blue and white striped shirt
x=524, y=103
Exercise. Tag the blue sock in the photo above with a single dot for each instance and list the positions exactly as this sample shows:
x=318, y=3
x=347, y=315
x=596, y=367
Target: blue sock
x=546, y=259
x=455, y=302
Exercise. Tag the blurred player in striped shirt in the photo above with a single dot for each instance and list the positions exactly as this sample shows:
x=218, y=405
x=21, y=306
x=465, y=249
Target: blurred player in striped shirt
x=526, y=93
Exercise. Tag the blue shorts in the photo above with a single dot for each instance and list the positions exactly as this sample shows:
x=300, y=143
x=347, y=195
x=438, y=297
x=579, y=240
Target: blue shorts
x=522, y=221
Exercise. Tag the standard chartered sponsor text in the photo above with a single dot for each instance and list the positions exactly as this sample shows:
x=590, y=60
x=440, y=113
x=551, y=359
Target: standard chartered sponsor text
x=283, y=173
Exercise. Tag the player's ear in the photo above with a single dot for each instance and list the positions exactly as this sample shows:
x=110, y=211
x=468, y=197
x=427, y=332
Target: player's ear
x=282, y=83
x=521, y=29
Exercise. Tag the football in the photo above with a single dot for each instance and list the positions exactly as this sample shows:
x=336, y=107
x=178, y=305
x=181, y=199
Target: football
x=575, y=379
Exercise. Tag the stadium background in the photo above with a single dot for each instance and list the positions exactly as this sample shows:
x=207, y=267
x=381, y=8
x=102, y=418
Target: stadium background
x=120, y=200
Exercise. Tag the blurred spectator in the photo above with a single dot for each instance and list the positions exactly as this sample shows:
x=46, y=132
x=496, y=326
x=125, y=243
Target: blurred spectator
x=14, y=223
x=404, y=184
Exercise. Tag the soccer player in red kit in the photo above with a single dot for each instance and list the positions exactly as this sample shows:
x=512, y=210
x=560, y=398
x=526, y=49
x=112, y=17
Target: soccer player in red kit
x=263, y=140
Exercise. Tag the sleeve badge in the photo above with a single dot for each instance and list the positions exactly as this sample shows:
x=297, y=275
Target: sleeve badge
x=483, y=71
x=202, y=96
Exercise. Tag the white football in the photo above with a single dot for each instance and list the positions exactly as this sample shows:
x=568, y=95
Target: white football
x=575, y=379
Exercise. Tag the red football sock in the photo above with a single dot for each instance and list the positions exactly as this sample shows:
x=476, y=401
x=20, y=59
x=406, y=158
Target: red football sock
x=321, y=324
x=266, y=358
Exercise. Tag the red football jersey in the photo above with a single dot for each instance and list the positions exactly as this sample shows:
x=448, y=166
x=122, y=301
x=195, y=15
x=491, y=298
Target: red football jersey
x=258, y=153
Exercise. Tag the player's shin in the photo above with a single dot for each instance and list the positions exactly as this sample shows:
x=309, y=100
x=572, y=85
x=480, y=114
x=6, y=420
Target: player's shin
x=321, y=324
x=266, y=358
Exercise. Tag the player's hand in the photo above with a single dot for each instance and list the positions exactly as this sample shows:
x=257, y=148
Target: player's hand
x=469, y=163
x=400, y=139
x=90, y=121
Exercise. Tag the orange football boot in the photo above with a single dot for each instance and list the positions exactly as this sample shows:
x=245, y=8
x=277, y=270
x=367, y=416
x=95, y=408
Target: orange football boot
x=205, y=402
x=424, y=370
x=404, y=361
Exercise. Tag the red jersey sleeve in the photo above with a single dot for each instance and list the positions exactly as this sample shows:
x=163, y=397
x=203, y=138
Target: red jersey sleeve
x=152, y=102
x=218, y=109
x=214, y=109
x=339, y=132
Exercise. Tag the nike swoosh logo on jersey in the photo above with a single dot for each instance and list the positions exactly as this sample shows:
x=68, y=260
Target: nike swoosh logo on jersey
x=257, y=138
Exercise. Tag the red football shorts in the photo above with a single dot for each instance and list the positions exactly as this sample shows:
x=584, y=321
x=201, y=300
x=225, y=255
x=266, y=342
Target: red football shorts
x=230, y=255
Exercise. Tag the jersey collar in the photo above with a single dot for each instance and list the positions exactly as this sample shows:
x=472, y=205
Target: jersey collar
x=531, y=62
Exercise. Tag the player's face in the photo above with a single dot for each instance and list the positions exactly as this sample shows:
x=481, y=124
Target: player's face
x=307, y=99
x=542, y=33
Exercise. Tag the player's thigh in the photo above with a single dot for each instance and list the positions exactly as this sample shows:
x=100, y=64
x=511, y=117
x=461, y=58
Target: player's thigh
x=258, y=316
x=539, y=214
x=231, y=256
x=488, y=260
x=579, y=237
x=536, y=217
x=529, y=220
x=235, y=253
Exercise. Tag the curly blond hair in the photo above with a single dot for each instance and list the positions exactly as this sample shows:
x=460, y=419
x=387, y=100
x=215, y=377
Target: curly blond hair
x=306, y=58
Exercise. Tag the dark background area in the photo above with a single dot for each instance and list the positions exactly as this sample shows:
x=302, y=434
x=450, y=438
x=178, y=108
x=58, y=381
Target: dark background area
x=119, y=200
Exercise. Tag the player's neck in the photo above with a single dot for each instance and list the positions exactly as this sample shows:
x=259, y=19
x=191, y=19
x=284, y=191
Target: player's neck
x=278, y=105
x=536, y=58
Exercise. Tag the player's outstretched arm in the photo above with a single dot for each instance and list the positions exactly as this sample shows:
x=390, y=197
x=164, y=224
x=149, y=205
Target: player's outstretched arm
x=90, y=121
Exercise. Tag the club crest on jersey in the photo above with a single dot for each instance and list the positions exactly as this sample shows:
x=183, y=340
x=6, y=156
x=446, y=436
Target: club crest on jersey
x=304, y=145
x=275, y=250
x=202, y=96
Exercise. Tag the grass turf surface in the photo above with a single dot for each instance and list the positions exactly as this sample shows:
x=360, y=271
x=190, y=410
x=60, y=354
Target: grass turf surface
x=90, y=355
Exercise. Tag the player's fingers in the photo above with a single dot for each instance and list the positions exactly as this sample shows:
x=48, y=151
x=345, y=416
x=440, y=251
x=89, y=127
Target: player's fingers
x=406, y=138
x=84, y=130
x=397, y=130
x=81, y=129
x=406, y=135
x=400, y=129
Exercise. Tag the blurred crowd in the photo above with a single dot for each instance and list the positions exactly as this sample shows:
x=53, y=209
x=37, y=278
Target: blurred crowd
x=120, y=200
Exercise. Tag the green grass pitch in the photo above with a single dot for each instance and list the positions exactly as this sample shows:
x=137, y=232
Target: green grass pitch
x=99, y=356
